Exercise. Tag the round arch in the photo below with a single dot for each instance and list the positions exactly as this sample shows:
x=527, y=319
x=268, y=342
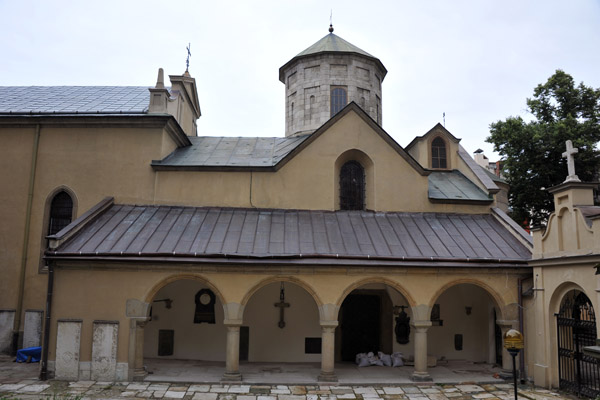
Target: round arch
x=496, y=298
x=559, y=294
x=384, y=281
x=289, y=279
x=174, y=278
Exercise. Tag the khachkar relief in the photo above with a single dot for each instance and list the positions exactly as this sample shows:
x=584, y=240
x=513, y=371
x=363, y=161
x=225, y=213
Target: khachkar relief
x=68, y=339
x=570, y=156
x=104, y=350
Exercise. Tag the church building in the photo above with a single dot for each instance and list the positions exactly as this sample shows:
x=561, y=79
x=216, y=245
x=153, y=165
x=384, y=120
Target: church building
x=129, y=238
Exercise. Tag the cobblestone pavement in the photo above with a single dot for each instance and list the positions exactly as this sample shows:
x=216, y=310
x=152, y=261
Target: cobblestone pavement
x=55, y=390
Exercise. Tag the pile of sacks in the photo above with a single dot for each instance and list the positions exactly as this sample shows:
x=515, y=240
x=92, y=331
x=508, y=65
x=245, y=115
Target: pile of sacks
x=381, y=359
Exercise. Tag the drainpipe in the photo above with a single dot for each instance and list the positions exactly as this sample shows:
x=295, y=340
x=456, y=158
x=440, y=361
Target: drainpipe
x=25, y=249
x=44, y=360
x=522, y=376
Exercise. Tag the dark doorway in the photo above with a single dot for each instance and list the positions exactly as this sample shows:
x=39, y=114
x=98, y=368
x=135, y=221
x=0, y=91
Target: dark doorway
x=361, y=325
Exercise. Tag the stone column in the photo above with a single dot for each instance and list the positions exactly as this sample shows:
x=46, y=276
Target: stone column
x=420, y=338
x=328, y=351
x=232, y=353
x=505, y=326
x=138, y=313
x=139, y=371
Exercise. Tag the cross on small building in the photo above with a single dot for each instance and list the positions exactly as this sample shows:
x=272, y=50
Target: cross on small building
x=282, y=306
x=570, y=156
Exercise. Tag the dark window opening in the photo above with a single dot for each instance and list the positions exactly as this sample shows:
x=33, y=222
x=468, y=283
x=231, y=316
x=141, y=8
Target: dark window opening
x=438, y=153
x=338, y=100
x=352, y=186
x=61, y=212
x=312, y=345
x=166, y=342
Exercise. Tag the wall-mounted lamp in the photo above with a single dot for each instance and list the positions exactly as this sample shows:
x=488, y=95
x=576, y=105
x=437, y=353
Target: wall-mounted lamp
x=468, y=310
x=168, y=302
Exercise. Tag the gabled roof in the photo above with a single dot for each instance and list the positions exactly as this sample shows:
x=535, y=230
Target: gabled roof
x=16, y=100
x=479, y=172
x=226, y=153
x=437, y=126
x=230, y=152
x=453, y=186
x=235, y=235
x=332, y=44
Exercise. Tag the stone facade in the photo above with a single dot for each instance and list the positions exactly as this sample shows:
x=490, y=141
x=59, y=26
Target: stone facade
x=308, y=85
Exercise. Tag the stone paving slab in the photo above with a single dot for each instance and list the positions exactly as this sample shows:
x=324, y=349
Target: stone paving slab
x=91, y=390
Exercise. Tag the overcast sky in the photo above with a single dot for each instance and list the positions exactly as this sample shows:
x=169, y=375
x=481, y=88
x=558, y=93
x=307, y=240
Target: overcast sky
x=477, y=60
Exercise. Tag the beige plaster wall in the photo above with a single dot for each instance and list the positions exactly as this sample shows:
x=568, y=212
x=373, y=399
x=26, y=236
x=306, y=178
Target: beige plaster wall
x=268, y=342
x=474, y=327
x=101, y=294
x=191, y=341
x=90, y=161
x=14, y=179
x=309, y=180
x=552, y=281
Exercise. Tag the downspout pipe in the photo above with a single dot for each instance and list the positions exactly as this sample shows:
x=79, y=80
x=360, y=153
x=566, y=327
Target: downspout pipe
x=46, y=342
x=21, y=288
x=522, y=376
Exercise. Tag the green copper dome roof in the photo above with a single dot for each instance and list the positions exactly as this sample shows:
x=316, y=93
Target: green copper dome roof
x=331, y=43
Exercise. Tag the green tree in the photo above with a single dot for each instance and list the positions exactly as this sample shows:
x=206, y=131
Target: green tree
x=532, y=151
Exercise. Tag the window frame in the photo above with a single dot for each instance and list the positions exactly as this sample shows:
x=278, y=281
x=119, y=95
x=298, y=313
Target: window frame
x=334, y=105
x=435, y=155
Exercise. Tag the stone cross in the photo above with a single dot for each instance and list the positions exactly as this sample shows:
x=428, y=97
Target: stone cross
x=570, y=156
x=282, y=305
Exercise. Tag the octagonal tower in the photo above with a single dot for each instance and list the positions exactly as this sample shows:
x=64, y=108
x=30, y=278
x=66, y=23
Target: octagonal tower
x=324, y=78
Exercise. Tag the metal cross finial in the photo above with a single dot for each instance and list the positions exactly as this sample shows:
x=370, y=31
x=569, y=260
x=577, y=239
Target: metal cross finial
x=570, y=156
x=187, y=60
x=282, y=305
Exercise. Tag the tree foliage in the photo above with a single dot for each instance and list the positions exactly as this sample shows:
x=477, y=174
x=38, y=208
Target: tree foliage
x=532, y=151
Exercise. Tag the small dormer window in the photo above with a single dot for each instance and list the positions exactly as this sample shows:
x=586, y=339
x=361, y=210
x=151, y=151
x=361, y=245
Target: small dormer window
x=339, y=99
x=352, y=186
x=438, y=153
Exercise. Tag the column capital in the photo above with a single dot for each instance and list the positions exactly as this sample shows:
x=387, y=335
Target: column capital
x=425, y=324
x=328, y=323
x=506, y=323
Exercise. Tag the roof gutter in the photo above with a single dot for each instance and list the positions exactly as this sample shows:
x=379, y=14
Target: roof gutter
x=21, y=289
x=270, y=259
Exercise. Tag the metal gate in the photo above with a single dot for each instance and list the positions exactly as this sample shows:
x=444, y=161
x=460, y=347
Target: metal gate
x=576, y=326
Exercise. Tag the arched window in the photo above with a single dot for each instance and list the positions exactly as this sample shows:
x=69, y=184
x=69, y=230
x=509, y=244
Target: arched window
x=61, y=212
x=352, y=186
x=438, y=153
x=338, y=100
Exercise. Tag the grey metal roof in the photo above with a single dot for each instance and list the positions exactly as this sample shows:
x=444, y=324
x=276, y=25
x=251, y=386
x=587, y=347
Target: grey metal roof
x=477, y=170
x=168, y=232
x=453, y=185
x=332, y=43
x=207, y=151
x=73, y=99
